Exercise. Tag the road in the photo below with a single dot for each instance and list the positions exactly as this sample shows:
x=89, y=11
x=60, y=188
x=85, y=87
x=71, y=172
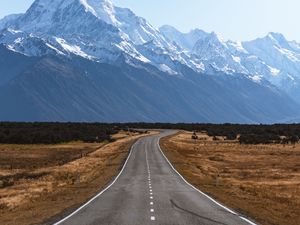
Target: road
x=149, y=191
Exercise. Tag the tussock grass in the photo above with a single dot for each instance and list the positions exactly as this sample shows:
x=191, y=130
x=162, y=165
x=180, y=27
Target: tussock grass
x=262, y=181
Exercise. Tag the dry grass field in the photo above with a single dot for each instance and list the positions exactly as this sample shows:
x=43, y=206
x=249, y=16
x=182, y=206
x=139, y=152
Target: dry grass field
x=261, y=181
x=38, y=182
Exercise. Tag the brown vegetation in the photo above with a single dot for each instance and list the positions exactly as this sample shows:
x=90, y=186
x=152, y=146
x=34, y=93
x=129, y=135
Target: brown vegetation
x=261, y=181
x=40, y=181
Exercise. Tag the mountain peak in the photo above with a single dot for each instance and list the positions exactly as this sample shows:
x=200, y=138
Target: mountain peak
x=168, y=28
x=103, y=9
x=47, y=9
x=276, y=37
x=185, y=40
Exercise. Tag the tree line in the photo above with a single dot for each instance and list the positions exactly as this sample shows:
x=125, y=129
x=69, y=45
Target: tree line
x=246, y=134
x=50, y=133
x=53, y=133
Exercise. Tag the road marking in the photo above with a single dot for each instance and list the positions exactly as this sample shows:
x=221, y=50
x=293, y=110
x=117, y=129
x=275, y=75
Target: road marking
x=210, y=198
x=152, y=218
x=93, y=199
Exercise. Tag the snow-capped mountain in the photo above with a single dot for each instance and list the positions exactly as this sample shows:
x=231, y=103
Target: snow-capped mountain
x=5, y=22
x=185, y=40
x=272, y=58
x=72, y=55
x=283, y=59
x=103, y=31
x=56, y=22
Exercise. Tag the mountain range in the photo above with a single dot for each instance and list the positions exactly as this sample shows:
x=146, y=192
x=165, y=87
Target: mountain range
x=89, y=60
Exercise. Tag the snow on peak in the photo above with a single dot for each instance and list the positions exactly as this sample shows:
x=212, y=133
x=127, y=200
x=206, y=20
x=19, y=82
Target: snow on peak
x=184, y=40
x=274, y=71
x=216, y=37
x=98, y=30
x=237, y=46
x=72, y=48
x=103, y=9
x=276, y=36
x=257, y=78
x=44, y=14
x=236, y=59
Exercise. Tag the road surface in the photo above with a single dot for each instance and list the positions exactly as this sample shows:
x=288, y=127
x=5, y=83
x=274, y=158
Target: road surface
x=149, y=191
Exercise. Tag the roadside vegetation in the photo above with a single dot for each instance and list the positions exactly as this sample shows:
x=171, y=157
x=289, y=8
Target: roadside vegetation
x=40, y=182
x=259, y=180
x=246, y=134
x=49, y=168
x=53, y=133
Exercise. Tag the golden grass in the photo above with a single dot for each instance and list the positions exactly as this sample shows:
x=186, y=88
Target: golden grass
x=262, y=181
x=46, y=180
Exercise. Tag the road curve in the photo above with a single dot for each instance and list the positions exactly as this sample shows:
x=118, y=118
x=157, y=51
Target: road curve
x=149, y=191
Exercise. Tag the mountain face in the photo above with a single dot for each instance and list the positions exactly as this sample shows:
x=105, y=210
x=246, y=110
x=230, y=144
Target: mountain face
x=88, y=60
x=186, y=41
x=283, y=57
x=272, y=58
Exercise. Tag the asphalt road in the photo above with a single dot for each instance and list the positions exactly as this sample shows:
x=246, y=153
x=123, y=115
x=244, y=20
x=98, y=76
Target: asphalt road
x=150, y=191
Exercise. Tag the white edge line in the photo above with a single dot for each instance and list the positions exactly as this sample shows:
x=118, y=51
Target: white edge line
x=247, y=220
x=104, y=190
x=210, y=198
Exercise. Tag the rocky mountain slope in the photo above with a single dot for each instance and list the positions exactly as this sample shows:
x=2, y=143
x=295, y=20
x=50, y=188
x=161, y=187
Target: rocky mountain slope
x=88, y=60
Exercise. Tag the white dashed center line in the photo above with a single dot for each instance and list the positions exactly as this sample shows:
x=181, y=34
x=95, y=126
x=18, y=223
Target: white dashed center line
x=152, y=218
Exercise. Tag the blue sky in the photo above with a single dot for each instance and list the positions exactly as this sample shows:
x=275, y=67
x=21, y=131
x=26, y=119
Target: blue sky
x=232, y=19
